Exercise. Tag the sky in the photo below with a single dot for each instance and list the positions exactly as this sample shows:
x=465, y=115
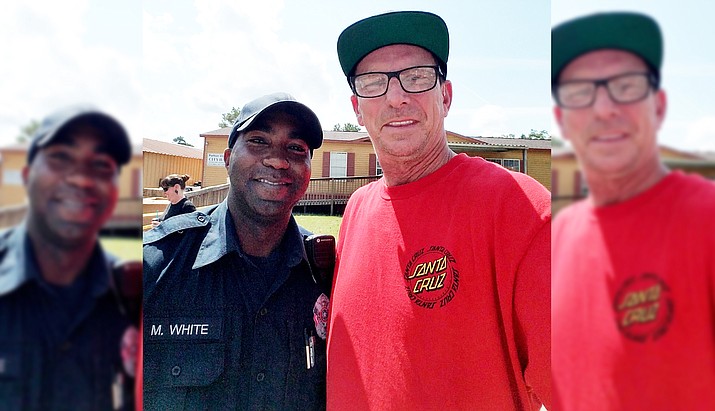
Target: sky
x=168, y=68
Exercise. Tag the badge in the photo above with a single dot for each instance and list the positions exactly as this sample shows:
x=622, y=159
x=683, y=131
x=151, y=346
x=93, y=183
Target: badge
x=320, y=315
x=129, y=350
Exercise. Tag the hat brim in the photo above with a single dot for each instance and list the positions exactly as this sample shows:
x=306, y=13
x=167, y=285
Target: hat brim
x=115, y=136
x=312, y=132
x=416, y=28
x=632, y=32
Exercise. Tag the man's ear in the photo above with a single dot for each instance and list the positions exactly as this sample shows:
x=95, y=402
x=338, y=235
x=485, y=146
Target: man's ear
x=559, y=115
x=356, y=109
x=226, y=157
x=661, y=105
x=25, y=175
x=447, y=96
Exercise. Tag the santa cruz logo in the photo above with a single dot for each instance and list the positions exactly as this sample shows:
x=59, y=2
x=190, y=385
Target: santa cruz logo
x=431, y=277
x=643, y=307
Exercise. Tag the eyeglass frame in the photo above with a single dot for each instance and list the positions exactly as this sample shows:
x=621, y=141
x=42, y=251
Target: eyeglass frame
x=653, y=85
x=439, y=77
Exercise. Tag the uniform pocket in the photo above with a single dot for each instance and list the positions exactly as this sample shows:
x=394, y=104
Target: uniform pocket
x=170, y=369
x=19, y=375
x=183, y=364
x=306, y=387
x=10, y=378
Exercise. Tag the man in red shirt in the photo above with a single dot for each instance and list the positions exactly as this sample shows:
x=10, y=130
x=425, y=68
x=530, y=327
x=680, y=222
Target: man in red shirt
x=441, y=294
x=633, y=264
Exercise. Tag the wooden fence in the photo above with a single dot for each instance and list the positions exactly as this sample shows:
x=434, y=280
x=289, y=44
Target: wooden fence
x=12, y=215
x=321, y=191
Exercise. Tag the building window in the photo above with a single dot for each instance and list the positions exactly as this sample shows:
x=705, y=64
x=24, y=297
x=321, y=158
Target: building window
x=12, y=178
x=378, y=168
x=511, y=164
x=338, y=164
x=514, y=165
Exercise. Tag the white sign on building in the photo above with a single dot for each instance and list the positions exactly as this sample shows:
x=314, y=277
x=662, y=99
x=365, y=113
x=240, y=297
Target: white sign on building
x=214, y=160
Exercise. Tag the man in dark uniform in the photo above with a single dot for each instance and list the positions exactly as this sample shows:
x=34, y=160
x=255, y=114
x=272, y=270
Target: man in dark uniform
x=62, y=320
x=234, y=318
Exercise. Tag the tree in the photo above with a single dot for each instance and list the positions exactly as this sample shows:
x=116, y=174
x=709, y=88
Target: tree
x=182, y=141
x=227, y=119
x=27, y=131
x=346, y=127
x=508, y=136
x=537, y=135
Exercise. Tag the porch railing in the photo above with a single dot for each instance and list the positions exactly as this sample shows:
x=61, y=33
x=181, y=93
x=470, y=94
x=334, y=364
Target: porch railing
x=321, y=191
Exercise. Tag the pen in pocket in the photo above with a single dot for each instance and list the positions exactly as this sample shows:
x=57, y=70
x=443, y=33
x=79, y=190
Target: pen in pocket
x=309, y=348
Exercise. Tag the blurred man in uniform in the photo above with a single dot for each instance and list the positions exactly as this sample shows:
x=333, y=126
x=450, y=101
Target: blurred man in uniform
x=634, y=263
x=234, y=316
x=66, y=340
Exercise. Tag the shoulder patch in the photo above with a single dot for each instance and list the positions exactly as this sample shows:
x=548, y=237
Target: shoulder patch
x=176, y=224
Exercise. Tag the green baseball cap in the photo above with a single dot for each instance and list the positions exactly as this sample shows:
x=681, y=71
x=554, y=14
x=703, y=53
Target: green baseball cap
x=632, y=32
x=417, y=28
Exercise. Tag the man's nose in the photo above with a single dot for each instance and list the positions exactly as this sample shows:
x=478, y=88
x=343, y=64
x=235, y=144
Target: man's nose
x=81, y=175
x=603, y=104
x=395, y=95
x=276, y=159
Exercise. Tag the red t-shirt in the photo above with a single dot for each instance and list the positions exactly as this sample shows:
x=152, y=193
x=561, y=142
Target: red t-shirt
x=634, y=301
x=441, y=295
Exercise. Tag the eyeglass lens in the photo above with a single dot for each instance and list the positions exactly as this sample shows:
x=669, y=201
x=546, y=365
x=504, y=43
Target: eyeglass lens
x=623, y=89
x=413, y=80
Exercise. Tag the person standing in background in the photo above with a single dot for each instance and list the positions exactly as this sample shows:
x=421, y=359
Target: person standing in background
x=174, y=186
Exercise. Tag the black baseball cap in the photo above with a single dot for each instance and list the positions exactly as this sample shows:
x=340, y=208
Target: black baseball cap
x=53, y=126
x=418, y=28
x=312, y=132
x=628, y=31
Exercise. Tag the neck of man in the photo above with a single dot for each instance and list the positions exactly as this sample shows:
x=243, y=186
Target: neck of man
x=258, y=236
x=60, y=265
x=605, y=189
x=402, y=170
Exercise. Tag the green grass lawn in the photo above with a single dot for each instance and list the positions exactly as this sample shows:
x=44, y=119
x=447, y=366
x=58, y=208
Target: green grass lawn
x=123, y=247
x=319, y=224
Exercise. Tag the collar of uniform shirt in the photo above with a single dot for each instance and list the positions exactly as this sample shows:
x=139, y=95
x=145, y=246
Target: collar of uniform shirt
x=20, y=264
x=222, y=239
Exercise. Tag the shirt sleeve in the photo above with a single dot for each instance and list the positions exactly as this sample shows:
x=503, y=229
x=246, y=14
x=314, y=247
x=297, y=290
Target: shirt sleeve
x=189, y=207
x=532, y=316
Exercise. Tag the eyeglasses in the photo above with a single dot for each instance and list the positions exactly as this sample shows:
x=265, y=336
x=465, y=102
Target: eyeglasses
x=416, y=79
x=623, y=89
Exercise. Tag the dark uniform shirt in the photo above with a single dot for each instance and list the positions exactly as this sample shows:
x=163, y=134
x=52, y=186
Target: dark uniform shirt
x=223, y=330
x=59, y=346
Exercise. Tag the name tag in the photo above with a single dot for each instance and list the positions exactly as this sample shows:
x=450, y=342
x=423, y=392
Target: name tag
x=183, y=328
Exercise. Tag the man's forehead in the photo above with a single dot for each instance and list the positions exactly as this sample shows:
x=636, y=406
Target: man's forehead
x=78, y=133
x=387, y=54
x=603, y=63
x=272, y=116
